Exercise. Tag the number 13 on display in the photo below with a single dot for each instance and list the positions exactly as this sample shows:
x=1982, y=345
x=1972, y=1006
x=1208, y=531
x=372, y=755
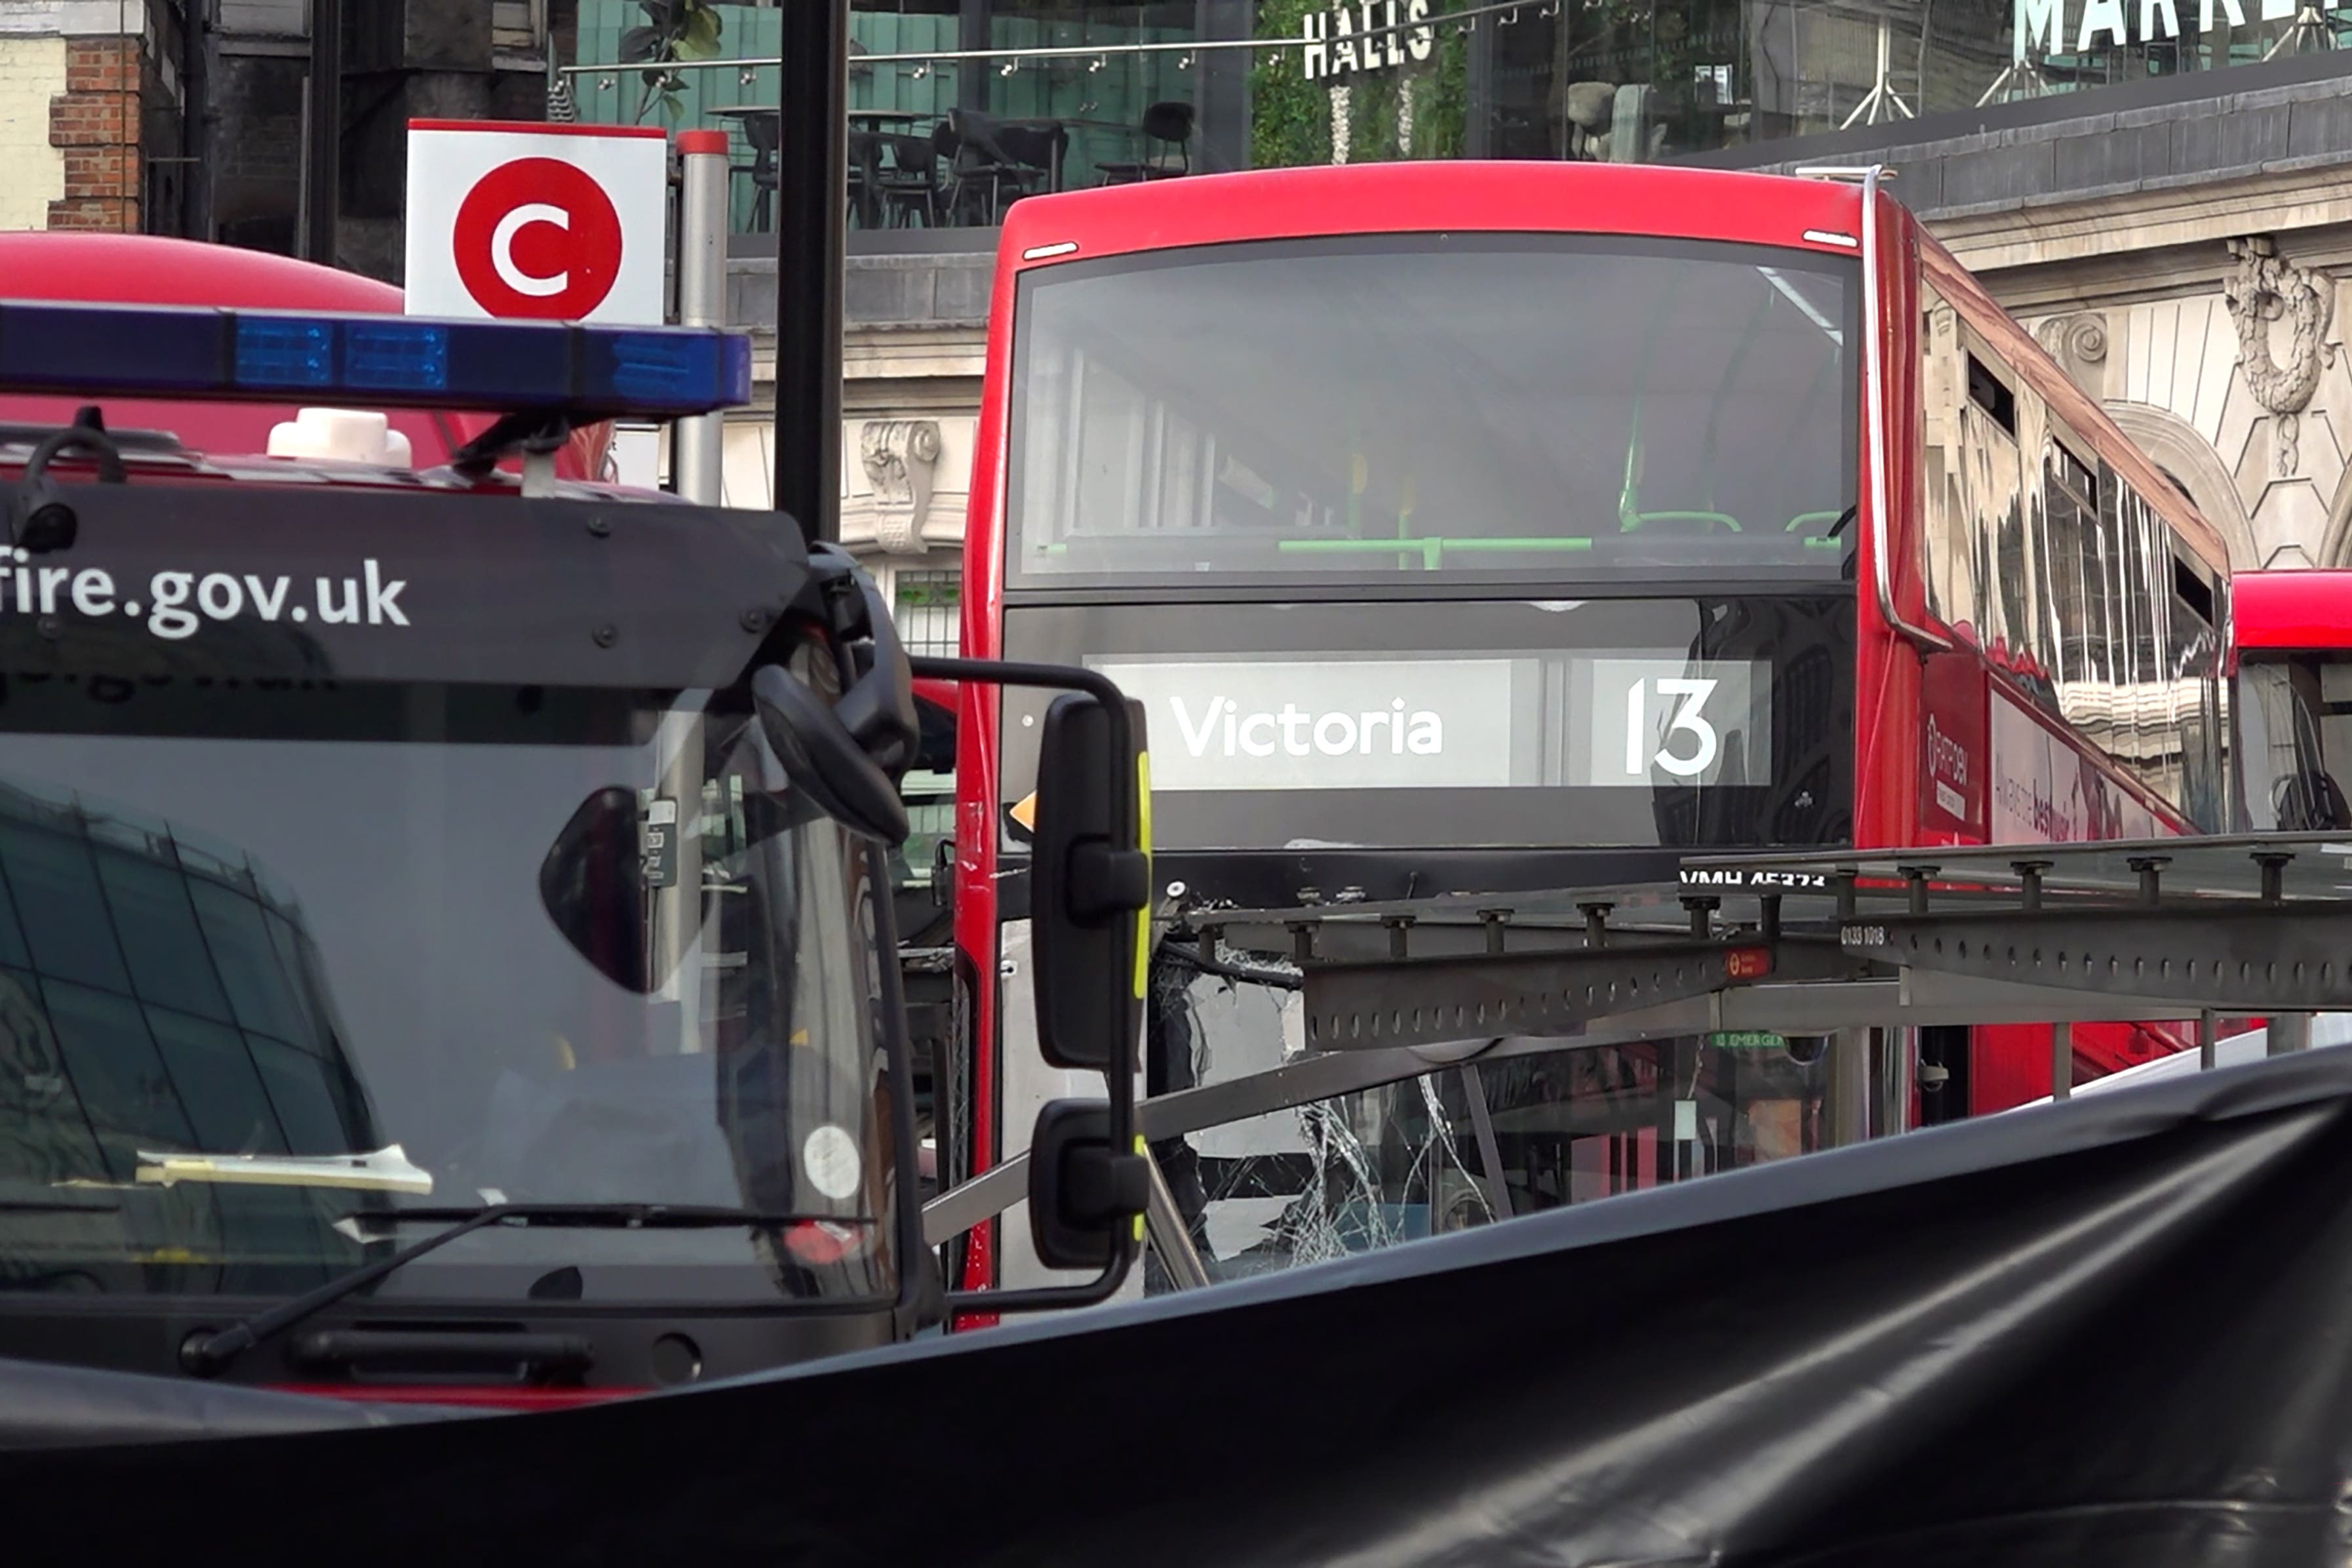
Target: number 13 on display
x=1656, y=720
x=1689, y=718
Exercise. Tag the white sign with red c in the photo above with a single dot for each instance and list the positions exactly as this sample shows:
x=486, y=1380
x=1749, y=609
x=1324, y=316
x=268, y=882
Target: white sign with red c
x=560, y=223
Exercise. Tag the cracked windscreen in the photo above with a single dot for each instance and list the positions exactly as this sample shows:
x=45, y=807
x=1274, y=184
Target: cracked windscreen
x=1467, y=1143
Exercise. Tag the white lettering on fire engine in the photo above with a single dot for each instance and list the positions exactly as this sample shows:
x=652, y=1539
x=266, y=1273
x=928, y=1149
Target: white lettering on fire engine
x=178, y=604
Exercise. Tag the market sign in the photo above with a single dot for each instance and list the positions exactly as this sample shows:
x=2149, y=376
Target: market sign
x=1371, y=36
x=2041, y=25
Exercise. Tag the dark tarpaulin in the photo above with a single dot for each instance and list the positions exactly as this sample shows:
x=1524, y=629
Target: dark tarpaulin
x=2113, y=1331
x=51, y=1407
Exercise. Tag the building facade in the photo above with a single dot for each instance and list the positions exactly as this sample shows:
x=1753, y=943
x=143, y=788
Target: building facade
x=2182, y=255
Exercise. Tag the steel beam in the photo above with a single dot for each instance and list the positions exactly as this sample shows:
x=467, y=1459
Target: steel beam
x=1423, y=1002
x=1917, y=998
x=2257, y=958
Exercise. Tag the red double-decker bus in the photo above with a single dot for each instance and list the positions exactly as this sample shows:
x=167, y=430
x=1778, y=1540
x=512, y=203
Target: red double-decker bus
x=2291, y=637
x=1480, y=528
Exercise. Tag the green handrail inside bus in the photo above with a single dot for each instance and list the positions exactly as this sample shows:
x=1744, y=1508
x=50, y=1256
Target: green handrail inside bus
x=1632, y=521
x=1814, y=520
x=1432, y=550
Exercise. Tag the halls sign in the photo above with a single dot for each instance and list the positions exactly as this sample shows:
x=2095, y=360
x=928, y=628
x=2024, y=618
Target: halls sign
x=1370, y=36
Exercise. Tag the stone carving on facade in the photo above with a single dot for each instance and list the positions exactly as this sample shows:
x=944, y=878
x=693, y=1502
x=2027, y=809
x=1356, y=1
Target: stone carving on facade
x=2266, y=288
x=2079, y=343
x=899, y=456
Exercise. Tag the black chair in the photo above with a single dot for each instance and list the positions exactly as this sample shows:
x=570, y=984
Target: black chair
x=764, y=132
x=865, y=179
x=1041, y=147
x=909, y=183
x=986, y=166
x=947, y=151
x=1166, y=125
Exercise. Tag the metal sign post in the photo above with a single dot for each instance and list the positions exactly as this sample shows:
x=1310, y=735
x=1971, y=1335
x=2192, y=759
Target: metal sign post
x=698, y=444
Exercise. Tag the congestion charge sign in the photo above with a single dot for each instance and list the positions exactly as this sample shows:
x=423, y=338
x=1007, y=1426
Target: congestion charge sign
x=558, y=222
x=538, y=237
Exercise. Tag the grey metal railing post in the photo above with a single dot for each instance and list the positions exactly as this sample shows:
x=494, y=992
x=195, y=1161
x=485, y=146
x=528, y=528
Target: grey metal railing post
x=697, y=450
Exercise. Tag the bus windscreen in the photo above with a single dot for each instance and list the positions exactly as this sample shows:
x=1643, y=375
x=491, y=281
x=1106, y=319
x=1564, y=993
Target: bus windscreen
x=1473, y=406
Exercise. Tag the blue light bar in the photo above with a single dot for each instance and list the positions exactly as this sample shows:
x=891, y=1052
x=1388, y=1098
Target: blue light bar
x=370, y=361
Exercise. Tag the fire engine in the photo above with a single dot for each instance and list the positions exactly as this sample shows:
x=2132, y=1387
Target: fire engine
x=446, y=951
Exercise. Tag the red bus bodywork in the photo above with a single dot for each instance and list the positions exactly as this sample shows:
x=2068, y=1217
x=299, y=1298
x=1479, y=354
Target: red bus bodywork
x=145, y=269
x=1893, y=686
x=2290, y=632
x=2294, y=612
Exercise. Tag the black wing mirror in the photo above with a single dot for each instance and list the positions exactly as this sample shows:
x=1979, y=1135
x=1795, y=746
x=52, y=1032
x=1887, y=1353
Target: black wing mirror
x=1090, y=881
x=1090, y=885
x=825, y=759
x=1084, y=1187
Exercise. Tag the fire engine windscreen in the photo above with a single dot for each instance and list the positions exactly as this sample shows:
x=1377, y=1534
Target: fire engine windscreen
x=1475, y=406
x=245, y=925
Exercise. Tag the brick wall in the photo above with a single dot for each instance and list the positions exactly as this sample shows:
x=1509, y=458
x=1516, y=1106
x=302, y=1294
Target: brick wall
x=32, y=171
x=95, y=122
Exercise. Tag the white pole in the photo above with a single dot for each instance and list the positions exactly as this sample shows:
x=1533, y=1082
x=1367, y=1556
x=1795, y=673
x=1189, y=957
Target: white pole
x=697, y=443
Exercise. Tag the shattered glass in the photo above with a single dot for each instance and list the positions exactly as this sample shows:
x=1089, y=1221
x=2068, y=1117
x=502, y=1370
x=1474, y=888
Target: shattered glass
x=1406, y=1161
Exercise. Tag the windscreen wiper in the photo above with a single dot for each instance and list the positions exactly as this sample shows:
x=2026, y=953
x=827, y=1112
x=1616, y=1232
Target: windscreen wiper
x=386, y=1170
x=207, y=1357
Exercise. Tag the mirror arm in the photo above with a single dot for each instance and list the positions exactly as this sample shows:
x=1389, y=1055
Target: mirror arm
x=1121, y=1069
x=900, y=1045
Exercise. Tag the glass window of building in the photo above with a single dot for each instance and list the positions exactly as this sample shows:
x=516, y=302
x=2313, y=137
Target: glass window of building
x=960, y=108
